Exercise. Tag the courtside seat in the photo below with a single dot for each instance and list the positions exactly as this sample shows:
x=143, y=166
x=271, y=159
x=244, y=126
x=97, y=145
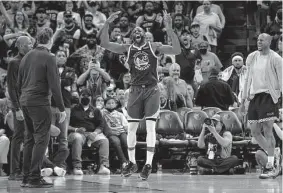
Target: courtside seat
x=210, y=111
x=194, y=121
x=141, y=135
x=170, y=129
x=182, y=112
x=237, y=111
x=231, y=122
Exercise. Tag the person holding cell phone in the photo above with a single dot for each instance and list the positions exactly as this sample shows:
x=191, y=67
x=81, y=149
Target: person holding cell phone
x=218, y=142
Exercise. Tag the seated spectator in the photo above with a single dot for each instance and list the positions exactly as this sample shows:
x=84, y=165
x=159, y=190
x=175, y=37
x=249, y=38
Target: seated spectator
x=209, y=60
x=125, y=81
x=187, y=58
x=273, y=8
x=218, y=142
x=235, y=75
x=94, y=78
x=210, y=25
x=4, y=146
x=118, y=124
x=170, y=99
x=48, y=167
x=215, y=9
x=69, y=6
x=181, y=85
x=215, y=93
x=149, y=37
x=196, y=37
x=274, y=29
x=88, y=126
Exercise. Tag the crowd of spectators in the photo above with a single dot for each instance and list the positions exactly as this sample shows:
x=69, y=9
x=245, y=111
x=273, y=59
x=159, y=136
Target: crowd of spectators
x=95, y=81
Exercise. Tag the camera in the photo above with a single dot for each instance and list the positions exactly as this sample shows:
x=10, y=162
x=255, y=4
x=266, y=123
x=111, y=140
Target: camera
x=208, y=121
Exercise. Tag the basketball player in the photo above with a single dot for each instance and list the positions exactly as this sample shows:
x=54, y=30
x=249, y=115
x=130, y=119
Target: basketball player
x=144, y=92
x=263, y=87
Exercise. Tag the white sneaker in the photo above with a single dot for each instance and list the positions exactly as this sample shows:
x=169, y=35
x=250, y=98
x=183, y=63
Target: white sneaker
x=46, y=172
x=59, y=171
x=103, y=170
x=78, y=171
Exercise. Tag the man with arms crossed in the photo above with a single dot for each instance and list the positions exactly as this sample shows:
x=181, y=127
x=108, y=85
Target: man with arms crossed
x=144, y=93
x=263, y=87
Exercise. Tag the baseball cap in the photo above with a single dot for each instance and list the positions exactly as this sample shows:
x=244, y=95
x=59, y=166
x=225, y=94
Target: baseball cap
x=41, y=10
x=67, y=13
x=194, y=24
x=88, y=13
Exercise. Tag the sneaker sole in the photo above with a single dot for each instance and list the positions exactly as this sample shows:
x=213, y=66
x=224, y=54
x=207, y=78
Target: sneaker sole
x=40, y=186
x=143, y=178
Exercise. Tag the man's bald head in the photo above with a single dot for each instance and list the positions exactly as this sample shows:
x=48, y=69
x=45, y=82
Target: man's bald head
x=24, y=44
x=264, y=41
x=266, y=36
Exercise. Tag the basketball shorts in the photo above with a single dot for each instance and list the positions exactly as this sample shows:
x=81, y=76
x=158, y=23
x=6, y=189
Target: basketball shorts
x=262, y=109
x=143, y=102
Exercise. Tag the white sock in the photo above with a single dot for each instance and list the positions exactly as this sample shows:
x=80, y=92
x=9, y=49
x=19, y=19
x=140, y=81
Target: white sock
x=150, y=140
x=132, y=140
x=270, y=159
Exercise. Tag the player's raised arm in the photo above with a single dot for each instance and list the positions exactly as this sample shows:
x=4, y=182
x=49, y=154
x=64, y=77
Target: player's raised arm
x=104, y=37
x=175, y=49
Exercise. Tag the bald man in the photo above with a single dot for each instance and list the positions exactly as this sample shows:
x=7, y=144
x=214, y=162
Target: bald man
x=24, y=45
x=263, y=87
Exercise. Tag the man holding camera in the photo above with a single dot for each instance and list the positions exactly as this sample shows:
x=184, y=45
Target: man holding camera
x=218, y=142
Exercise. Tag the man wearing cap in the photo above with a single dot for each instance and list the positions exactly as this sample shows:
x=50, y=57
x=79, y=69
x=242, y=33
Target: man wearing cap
x=235, y=75
x=187, y=58
x=71, y=31
x=218, y=142
x=69, y=6
x=87, y=126
x=196, y=36
x=42, y=20
x=215, y=93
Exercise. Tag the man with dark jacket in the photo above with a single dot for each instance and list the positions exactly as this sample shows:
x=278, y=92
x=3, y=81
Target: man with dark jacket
x=88, y=126
x=24, y=45
x=215, y=93
x=38, y=77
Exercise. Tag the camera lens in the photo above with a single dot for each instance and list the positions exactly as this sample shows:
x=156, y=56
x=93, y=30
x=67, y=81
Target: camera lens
x=208, y=121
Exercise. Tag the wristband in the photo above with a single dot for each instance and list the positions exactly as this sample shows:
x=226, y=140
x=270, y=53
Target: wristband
x=76, y=130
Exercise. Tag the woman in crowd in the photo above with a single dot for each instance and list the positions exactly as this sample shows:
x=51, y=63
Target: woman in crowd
x=99, y=102
x=19, y=23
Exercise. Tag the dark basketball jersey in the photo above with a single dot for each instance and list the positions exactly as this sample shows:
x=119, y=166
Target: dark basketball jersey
x=143, y=65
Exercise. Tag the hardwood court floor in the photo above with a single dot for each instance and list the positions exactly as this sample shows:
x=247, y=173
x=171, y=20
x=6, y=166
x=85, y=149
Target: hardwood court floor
x=248, y=183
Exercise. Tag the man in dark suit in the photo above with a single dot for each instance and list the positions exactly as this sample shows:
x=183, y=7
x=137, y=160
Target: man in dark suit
x=24, y=45
x=38, y=75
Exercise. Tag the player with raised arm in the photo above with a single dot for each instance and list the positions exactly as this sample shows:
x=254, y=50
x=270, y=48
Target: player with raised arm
x=144, y=92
